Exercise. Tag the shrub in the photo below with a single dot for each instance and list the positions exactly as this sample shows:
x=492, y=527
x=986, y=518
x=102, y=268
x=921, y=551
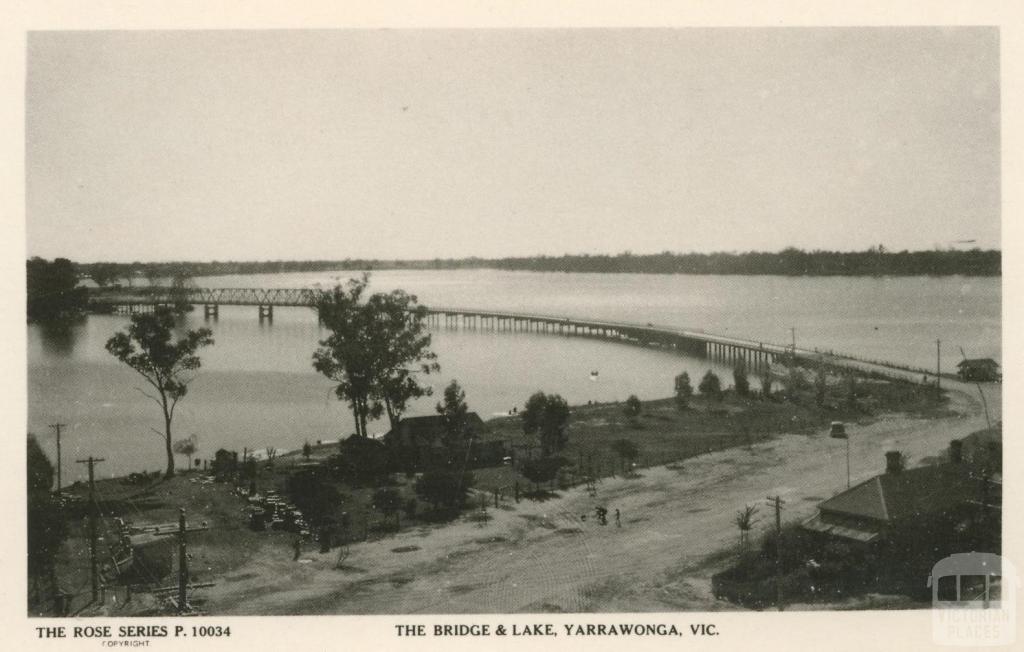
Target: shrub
x=683, y=389
x=444, y=487
x=739, y=379
x=632, y=407
x=710, y=386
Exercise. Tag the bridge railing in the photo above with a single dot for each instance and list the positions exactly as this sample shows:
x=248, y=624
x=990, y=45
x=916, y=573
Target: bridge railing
x=306, y=297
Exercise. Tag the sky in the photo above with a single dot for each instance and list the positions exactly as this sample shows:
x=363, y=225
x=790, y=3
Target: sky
x=288, y=145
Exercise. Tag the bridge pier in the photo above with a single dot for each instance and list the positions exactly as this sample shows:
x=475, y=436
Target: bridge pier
x=266, y=312
x=211, y=310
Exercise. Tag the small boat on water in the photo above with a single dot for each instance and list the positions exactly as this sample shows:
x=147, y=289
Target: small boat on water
x=593, y=375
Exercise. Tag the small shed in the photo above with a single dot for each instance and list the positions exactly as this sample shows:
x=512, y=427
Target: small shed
x=979, y=369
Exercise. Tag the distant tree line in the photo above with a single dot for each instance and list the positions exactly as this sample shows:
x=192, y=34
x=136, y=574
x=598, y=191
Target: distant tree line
x=875, y=261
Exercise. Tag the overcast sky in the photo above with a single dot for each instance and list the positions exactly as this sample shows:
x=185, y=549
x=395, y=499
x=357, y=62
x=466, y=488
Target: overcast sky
x=422, y=144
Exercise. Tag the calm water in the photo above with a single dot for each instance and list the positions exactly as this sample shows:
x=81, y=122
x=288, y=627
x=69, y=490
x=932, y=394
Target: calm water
x=257, y=387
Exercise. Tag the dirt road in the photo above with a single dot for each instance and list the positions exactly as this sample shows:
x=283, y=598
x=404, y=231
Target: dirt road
x=536, y=557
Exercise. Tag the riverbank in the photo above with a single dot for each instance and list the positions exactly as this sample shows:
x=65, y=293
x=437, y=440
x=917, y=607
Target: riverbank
x=252, y=570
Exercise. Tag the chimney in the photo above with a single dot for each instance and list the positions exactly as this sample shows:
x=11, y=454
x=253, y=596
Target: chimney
x=893, y=462
x=956, y=451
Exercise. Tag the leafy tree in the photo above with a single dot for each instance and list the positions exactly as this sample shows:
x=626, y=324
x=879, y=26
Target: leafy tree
x=153, y=275
x=766, y=383
x=820, y=385
x=362, y=461
x=444, y=487
x=745, y=522
x=148, y=348
x=627, y=450
x=739, y=379
x=389, y=503
x=47, y=528
x=632, y=407
x=795, y=383
x=710, y=386
x=376, y=349
x=104, y=273
x=314, y=494
x=547, y=415
x=542, y=469
x=454, y=417
x=851, y=389
x=187, y=447
x=307, y=450
x=52, y=291
x=181, y=283
x=683, y=389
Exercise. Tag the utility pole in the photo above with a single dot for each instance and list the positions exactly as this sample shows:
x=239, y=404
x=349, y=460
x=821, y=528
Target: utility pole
x=94, y=564
x=182, y=563
x=776, y=502
x=938, y=366
x=56, y=427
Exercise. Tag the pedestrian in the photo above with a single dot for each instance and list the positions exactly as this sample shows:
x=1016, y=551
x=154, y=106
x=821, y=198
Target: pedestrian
x=297, y=545
x=618, y=518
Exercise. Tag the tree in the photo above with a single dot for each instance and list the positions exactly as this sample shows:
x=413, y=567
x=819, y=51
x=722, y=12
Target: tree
x=181, y=283
x=745, y=522
x=389, y=503
x=766, y=383
x=820, y=385
x=187, y=447
x=47, y=528
x=684, y=390
x=362, y=461
x=148, y=348
x=795, y=383
x=542, y=469
x=376, y=349
x=851, y=389
x=454, y=417
x=153, y=275
x=739, y=379
x=104, y=273
x=627, y=450
x=271, y=455
x=307, y=450
x=632, y=407
x=547, y=415
x=710, y=386
x=444, y=487
x=52, y=292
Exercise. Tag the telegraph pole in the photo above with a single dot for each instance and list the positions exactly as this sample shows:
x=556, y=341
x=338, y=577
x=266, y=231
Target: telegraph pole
x=94, y=565
x=776, y=502
x=182, y=562
x=56, y=427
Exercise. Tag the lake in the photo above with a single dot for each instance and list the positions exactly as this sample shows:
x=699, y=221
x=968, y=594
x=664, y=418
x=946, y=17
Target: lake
x=257, y=387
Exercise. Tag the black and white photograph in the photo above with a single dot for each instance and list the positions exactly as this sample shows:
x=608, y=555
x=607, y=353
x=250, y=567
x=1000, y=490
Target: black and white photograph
x=478, y=321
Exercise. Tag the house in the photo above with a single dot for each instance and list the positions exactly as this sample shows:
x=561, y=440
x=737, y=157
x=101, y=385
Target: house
x=419, y=442
x=979, y=369
x=907, y=504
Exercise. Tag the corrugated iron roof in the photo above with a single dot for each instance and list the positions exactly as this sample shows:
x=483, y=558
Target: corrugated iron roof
x=913, y=492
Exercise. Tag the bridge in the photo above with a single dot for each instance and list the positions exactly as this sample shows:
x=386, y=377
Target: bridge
x=718, y=348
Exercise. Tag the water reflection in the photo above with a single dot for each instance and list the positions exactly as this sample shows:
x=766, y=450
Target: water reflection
x=59, y=338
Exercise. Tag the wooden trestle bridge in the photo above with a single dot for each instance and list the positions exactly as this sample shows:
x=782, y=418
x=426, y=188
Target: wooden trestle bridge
x=718, y=348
